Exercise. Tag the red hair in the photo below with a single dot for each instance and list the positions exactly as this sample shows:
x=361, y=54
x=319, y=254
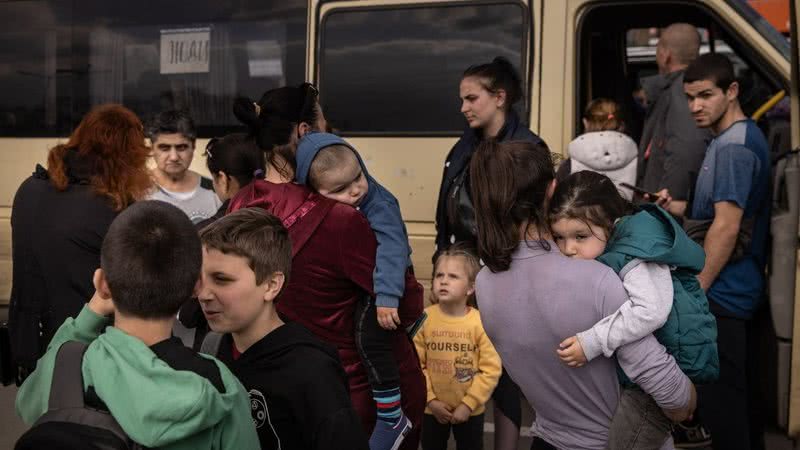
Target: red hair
x=111, y=139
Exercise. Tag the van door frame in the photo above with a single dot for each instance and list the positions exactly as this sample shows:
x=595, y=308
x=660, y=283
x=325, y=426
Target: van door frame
x=794, y=387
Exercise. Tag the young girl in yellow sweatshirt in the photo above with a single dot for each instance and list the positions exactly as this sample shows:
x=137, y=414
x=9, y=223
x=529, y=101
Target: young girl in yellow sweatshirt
x=460, y=364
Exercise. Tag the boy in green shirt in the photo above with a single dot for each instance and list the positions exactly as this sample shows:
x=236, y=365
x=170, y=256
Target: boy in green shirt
x=161, y=393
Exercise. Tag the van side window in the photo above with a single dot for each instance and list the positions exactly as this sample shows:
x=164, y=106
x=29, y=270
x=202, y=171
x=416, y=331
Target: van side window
x=389, y=71
x=59, y=58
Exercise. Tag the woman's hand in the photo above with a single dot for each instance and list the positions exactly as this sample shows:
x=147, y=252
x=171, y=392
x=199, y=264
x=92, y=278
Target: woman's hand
x=571, y=352
x=440, y=410
x=388, y=318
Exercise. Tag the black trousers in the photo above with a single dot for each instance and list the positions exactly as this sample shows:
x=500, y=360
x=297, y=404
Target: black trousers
x=540, y=444
x=374, y=345
x=506, y=397
x=727, y=407
x=469, y=435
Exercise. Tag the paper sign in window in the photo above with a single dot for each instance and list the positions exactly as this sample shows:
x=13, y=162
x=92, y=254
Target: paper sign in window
x=185, y=50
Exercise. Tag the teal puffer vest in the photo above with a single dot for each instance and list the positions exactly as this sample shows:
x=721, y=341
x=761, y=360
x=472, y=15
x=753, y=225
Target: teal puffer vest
x=690, y=333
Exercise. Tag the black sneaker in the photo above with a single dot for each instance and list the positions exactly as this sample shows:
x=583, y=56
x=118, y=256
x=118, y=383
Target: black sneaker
x=691, y=436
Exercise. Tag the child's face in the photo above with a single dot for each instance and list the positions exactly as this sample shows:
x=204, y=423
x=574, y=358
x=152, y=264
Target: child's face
x=451, y=283
x=230, y=298
x=576, y=238
x=345, y=183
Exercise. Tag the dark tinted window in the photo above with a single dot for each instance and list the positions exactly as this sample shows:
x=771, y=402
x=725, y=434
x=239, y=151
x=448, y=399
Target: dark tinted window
x=398, y=70
x=59, y=58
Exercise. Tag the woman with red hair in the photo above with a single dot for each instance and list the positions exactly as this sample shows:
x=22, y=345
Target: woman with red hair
x=59, y=219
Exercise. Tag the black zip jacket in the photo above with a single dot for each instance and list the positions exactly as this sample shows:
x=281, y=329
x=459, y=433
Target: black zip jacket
x=455, y=215
x=298, y=392
x=56, y=239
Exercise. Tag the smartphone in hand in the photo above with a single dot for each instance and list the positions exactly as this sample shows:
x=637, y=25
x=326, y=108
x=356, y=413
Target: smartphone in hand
x=640, y=191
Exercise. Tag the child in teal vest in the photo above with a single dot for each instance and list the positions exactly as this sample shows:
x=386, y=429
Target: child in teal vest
x=658, y=264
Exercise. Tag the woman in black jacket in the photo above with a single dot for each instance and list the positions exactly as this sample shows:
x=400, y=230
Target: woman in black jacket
x=59, y=219
x=488, y=93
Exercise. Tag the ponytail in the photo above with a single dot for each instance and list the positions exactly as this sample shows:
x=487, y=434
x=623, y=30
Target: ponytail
x=509, y=182
x=603, y=114
x=274, y=117
x=498, y=75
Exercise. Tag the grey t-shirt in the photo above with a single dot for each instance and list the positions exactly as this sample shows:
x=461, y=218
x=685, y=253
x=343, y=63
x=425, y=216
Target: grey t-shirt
x=199, y=204
x=545, y=298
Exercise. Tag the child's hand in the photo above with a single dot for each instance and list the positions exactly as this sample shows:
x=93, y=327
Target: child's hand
x=101, y=306
x=461, y=414
x=388, y=317
x=441, y=411
x=571, y=352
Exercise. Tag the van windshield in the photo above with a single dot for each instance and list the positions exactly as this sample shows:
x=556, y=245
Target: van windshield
x=764, y=28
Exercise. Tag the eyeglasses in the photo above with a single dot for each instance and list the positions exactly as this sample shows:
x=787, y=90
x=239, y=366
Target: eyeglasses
x=209, y=146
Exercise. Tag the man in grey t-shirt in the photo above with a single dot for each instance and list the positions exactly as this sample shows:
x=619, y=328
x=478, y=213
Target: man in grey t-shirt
x=172, y=137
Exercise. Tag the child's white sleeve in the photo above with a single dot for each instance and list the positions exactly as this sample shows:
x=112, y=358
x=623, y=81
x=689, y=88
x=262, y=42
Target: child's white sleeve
x=650, y=293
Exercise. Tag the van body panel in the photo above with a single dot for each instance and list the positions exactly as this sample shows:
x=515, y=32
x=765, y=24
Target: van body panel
x=794, y=382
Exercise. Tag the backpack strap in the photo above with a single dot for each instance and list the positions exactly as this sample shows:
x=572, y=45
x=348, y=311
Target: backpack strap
x=185, y=334
x=211, y=344
x=66, y=390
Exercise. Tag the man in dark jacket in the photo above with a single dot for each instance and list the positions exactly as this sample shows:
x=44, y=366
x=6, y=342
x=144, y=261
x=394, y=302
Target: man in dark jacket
x=672, y=146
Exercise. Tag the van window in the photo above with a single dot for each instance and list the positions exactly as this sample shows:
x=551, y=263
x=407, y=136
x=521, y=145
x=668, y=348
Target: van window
x=617, y=51
x=396, y=71
x=59, y=58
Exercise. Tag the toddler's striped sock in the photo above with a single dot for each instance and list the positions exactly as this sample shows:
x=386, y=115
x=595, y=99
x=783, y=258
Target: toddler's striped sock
x=388, y=403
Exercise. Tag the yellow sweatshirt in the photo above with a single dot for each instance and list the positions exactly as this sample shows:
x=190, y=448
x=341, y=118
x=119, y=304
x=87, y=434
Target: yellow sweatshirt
x=459, y=362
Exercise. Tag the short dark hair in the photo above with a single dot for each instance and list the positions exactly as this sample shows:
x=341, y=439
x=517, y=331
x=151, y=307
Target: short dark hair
x=170, y=122
x=713, y=67
x=329, y=158
x=151, y=257
x=255, y=235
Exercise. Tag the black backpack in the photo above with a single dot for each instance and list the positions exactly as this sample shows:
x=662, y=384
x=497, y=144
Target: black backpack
x=69, y=424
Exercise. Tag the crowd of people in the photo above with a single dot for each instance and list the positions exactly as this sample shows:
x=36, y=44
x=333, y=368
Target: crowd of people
x=275, y=305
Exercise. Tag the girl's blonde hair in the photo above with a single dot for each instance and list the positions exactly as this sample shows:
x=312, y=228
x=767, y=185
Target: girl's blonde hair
x=471, y=264
x=603, y=114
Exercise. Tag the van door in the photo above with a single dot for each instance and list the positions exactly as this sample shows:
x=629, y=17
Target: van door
x=388, y=73
x=794, y=398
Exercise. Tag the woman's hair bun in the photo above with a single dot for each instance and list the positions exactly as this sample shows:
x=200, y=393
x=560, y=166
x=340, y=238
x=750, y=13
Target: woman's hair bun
x=504, y=62
x=245, y=110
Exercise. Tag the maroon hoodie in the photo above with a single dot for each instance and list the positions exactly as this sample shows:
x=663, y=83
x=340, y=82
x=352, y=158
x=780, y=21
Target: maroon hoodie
x=333, y=250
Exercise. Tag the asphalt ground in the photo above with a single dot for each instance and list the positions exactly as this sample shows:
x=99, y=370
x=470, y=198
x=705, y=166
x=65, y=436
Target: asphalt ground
x=11, y=427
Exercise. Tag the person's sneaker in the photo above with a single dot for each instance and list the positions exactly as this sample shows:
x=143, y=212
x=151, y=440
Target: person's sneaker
x=691, y=436
x=386, y=436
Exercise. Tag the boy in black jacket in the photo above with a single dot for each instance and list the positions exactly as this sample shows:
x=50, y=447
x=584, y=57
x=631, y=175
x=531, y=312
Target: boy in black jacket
x=298, y=389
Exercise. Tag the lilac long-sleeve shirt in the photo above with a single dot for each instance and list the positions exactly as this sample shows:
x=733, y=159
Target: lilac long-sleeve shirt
x=544, y=298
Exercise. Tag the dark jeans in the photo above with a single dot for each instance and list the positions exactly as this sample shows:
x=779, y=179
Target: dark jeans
x=375, y=347
x=638, y=422
x=540, y=444
x=726, y=407
x=506, y=398
x=469, y=435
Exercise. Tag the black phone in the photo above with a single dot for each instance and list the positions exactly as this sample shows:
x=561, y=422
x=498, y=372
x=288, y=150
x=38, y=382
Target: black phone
x=639, y=190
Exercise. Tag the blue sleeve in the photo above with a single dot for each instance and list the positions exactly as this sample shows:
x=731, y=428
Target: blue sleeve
x=391, y=259
x=734, y=172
